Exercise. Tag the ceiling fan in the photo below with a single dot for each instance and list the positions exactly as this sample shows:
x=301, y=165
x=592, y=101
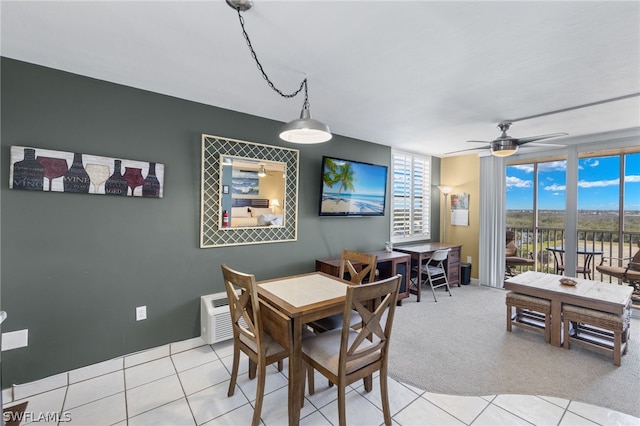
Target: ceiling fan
x=506, y=145
x=268, y=170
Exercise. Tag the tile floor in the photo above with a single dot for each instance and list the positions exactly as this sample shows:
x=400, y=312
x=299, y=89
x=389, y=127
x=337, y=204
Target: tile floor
x=186, y=383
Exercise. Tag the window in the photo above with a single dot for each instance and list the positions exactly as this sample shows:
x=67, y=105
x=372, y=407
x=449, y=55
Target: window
x=607, y=211
x=411, y=201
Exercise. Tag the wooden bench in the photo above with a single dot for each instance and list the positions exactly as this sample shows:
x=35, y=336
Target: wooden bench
x=602, y=331
x=532, y=313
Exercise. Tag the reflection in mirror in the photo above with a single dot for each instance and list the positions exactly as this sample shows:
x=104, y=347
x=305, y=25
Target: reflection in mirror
x=252, y=192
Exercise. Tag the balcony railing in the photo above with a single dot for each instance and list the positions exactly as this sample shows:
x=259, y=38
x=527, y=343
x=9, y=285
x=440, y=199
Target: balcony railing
x=610, y=243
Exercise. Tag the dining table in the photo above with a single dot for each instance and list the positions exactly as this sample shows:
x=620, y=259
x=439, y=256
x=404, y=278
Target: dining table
x=604, y=297
x=584, y=269
x=301, y=298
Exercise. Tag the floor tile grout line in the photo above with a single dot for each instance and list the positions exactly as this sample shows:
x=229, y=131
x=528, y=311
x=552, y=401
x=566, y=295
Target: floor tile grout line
x=405, y=407
x=184, y=392
x=513, y=414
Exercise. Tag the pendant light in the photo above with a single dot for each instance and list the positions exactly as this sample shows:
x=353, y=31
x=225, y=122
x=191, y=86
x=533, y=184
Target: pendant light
x=304, y=130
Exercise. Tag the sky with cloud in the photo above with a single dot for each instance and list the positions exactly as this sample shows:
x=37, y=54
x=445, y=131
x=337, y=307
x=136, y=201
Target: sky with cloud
x=598, y=184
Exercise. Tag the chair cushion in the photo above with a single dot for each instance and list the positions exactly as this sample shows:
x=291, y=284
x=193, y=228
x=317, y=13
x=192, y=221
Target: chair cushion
x=597, y=318
x=528, y=302
x=619, y=272
x=517, y=261
x=434, y=270
x=324, y=348
x=272, y=347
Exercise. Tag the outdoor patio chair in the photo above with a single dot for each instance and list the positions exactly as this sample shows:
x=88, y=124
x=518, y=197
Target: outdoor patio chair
x=512, y=259
x=629, y=273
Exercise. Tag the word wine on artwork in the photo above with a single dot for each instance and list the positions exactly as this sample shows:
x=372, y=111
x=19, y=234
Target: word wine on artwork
x=35, y=169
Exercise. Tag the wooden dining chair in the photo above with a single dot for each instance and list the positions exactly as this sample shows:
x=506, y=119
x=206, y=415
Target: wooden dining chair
x=346, y=355
x=249, y=335
x=357, y=268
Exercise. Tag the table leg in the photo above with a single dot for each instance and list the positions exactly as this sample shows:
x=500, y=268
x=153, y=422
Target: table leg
x=587, y=265
x=419, y=278
x=296, y=373
x=556, y=262
x=556, y=323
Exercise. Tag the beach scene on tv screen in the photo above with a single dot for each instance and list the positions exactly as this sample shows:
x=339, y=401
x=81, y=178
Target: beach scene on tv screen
x=352, y=188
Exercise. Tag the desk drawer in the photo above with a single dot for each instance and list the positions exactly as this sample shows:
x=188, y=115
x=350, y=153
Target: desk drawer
x=454, y=256
x=453, y=266
x=454, y=274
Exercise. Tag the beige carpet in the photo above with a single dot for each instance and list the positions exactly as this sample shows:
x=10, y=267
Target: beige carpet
x=459, y=346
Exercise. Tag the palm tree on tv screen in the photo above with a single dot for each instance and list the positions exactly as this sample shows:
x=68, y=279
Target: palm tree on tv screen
x=343, y=174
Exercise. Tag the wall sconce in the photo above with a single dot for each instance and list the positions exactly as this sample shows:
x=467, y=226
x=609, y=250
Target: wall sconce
x=274, y=204
x=446, y=190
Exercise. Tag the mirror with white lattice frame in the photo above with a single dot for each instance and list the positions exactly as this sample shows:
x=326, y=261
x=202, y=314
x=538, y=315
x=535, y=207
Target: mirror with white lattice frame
x=249, y=193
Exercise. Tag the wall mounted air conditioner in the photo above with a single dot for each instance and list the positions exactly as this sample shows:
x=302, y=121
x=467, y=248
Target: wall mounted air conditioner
x=215, y=320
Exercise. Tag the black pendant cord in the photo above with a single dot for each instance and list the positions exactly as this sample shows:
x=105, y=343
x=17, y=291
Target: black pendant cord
x=303, y=85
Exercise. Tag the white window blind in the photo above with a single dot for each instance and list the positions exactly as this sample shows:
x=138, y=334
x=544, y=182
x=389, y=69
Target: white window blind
x=411, y=197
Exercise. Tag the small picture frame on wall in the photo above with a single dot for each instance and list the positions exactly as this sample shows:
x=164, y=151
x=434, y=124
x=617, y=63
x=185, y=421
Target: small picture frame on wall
x=225, y=189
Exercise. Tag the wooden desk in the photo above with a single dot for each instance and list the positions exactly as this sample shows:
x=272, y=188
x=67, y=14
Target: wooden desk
x=387, y=264
x=585, y=270
x=611, y=298
x=420, y=253
x=303, y=298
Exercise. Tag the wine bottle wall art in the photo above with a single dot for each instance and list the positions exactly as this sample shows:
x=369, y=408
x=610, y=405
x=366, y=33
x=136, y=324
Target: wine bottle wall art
x=46, y=170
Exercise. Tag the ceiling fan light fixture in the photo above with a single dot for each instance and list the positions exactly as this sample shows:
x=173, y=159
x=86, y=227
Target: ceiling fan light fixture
x=305, y=130
x=504, y=148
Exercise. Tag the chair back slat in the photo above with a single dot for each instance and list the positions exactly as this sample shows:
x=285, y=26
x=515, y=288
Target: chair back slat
x=244, y=306
x=440, y=255
x=348, y=262
x=375, y=302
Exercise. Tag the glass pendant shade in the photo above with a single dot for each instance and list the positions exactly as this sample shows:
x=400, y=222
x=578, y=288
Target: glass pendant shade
x=504, y=148
x=305, y=130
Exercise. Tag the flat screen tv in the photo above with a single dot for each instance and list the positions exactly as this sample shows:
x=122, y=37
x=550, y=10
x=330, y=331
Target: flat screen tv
x=352, y=188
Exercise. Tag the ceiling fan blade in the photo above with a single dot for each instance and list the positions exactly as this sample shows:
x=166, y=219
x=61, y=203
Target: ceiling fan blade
x=522, y=141
x=470, y=149
x=479, y=141
x=547, y=145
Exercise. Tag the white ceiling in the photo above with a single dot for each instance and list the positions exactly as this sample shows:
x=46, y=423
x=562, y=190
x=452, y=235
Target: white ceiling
x=423, y=76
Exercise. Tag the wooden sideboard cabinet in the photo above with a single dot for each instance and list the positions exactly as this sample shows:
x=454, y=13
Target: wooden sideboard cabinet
x=388, y=264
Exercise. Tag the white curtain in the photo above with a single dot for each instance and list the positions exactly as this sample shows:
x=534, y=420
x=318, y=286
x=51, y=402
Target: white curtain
x=492, y=220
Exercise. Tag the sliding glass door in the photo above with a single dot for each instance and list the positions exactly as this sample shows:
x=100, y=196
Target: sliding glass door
x=607, y=209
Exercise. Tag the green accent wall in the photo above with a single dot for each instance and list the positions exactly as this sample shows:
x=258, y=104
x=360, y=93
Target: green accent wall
x=75, y=266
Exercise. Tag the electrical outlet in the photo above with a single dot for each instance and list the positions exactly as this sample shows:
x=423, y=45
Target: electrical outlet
x=468, y=259
x=141, y=313
x=15, y=339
